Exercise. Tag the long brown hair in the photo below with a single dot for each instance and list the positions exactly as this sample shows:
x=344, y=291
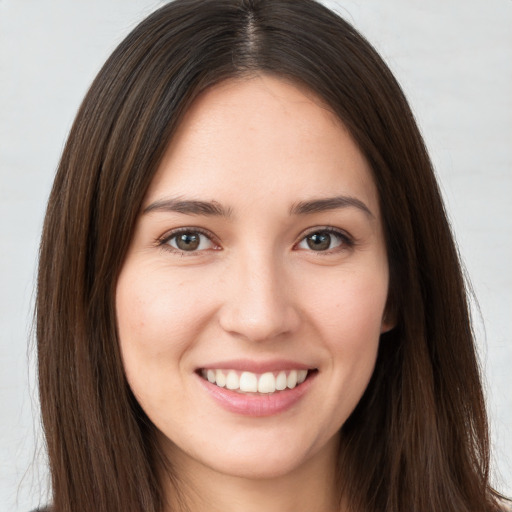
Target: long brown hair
x=418, y=439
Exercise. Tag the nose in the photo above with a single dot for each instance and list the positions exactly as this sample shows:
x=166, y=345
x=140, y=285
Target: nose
x=258, y=303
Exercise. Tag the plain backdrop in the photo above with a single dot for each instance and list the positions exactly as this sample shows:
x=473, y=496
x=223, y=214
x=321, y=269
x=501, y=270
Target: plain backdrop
x=454, y=61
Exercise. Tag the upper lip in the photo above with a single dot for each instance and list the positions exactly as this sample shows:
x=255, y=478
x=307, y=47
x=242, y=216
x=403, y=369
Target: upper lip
x=253, y=366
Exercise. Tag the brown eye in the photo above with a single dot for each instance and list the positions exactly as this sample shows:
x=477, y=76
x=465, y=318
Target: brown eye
x=319, y=241
x=322, y=241
x=189, y=241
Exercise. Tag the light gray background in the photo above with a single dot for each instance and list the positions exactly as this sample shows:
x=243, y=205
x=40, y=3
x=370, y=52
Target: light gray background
x=452, y=57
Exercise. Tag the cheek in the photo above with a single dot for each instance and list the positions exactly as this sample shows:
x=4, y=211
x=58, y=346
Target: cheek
x=350, y=306
x=349, y=318
x=348, y=314
x=157, y=323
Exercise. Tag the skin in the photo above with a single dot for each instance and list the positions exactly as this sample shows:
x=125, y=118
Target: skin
x=255, y=290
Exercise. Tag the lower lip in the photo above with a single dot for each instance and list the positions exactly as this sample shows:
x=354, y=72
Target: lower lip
x=257, y=405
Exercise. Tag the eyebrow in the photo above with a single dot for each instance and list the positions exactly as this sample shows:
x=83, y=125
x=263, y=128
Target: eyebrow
x=213, y=208
x=189, y=206
x=329, y=203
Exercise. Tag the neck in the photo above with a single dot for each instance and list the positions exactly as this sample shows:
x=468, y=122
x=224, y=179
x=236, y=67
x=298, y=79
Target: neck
x=311, y=487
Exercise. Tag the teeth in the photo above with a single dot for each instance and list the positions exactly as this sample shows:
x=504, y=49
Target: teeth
x=248, y=382
x=291, y=382
x=267, y=383
x=220, y=378
x=281, y=381
x=232, y=380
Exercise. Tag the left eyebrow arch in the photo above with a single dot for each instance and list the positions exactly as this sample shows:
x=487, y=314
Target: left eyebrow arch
x=188, y=206
x=329, y=203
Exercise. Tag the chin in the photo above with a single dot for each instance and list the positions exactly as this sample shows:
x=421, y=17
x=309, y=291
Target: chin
x=256, y=468
x=265, y=459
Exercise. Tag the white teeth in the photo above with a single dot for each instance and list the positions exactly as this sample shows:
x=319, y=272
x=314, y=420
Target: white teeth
x=267, y=383
x=291, y=382
x=281, y=381
x=232, y=380
x=248, y=382
x=220, y=378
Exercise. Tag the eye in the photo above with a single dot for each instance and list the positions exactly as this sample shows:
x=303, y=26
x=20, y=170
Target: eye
x=188, y=240
x=324, y=240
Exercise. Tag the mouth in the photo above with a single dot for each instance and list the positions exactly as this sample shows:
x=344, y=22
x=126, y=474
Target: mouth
x=246, y=382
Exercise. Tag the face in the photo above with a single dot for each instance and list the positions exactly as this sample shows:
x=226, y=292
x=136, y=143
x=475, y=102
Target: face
x=253, y=294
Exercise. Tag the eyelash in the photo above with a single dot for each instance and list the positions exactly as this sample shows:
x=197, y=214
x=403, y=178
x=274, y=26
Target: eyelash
x=347, y=242
x=163, y=242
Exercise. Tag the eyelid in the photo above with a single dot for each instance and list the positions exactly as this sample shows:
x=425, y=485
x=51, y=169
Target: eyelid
x=162, y=241
x=348, y=240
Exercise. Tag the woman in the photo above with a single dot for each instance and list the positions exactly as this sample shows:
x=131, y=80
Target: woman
x=249, y=296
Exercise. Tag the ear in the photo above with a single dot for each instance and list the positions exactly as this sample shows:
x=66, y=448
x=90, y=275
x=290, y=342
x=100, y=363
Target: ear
x=389, y=318
x=387, y=325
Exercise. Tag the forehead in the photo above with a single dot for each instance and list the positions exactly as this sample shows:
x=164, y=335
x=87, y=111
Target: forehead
x=262, y=136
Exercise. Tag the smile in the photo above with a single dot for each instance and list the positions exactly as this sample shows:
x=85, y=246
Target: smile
x=249, y=382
